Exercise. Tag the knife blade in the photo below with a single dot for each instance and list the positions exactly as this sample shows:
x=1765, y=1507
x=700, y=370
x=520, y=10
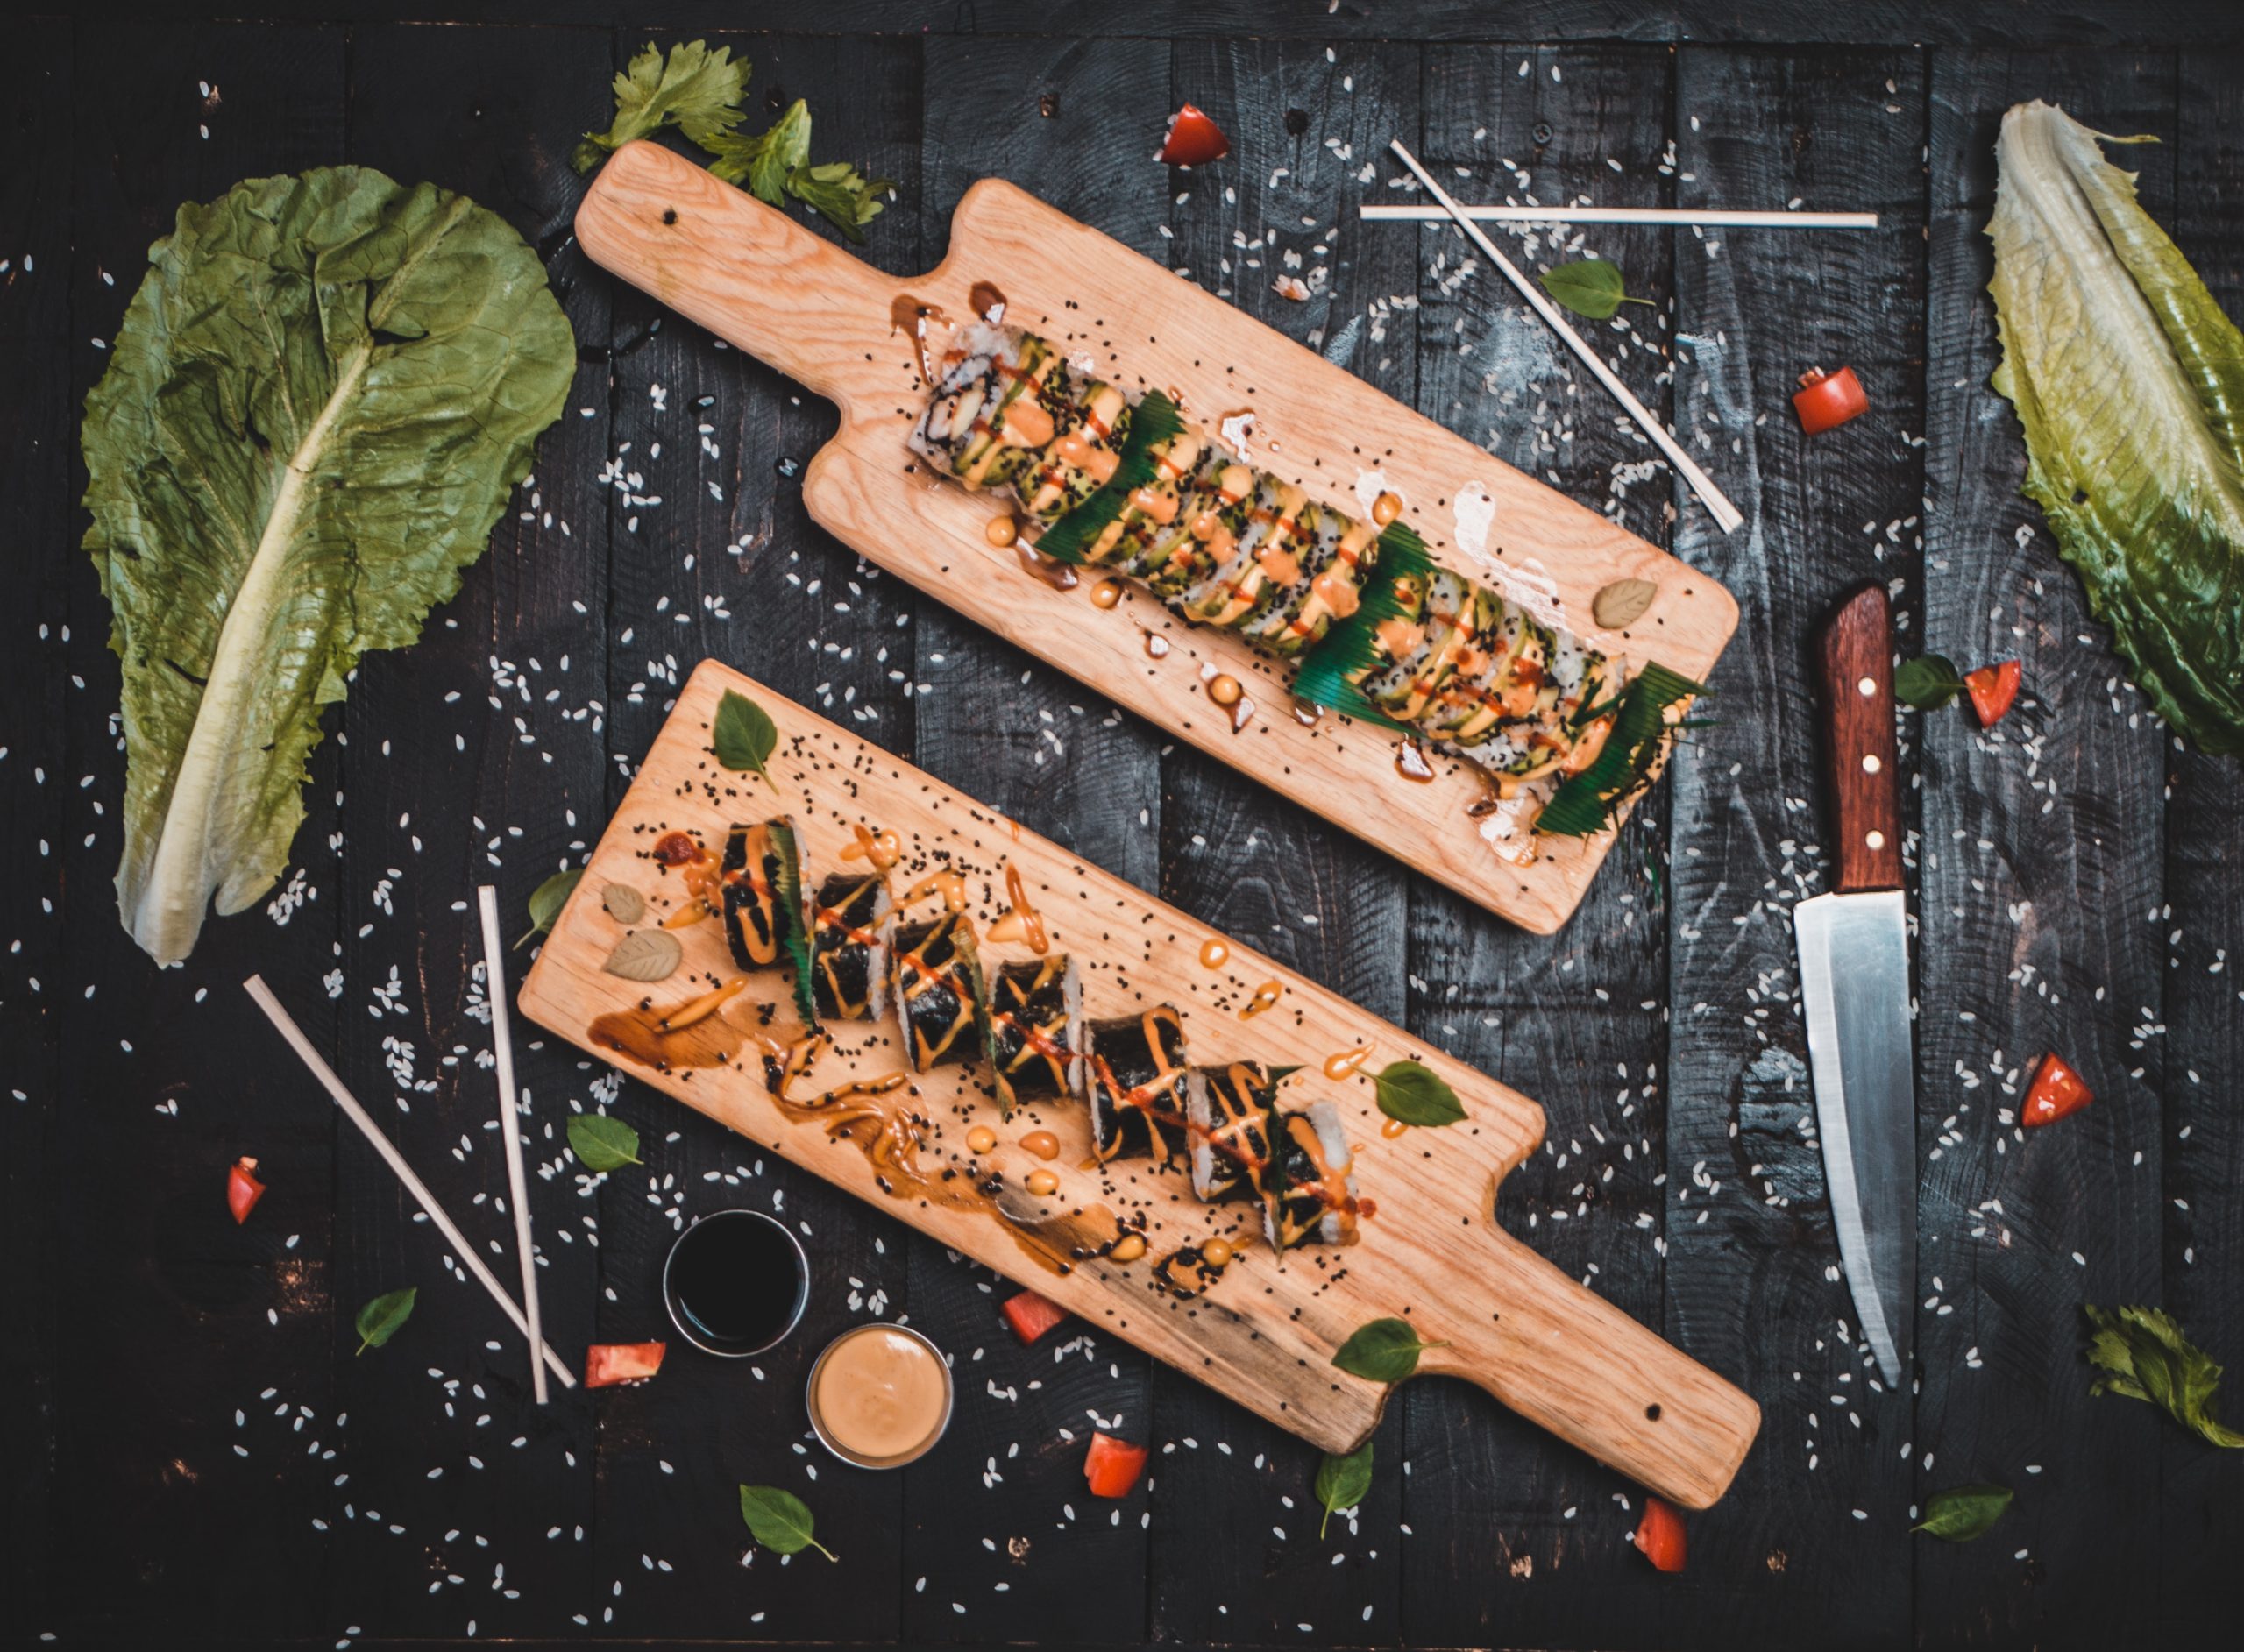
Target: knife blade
x=1854, y=983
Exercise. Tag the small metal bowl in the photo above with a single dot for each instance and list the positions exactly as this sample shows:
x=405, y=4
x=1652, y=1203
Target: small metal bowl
x=698, y=1334
x=817, y=1423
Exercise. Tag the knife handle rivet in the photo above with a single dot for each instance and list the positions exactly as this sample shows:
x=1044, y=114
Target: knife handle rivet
x=1866, y=687
x=1871, y=766
x=1876, y=840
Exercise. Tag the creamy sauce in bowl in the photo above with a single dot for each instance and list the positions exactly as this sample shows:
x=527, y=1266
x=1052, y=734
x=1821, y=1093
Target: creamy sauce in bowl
x=880, y=1396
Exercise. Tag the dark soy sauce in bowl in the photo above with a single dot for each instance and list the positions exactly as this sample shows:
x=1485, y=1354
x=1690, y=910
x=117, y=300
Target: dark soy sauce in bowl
x=735, y=1283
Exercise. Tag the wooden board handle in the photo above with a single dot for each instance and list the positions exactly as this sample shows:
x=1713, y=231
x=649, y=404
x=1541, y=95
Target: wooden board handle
x=1854, y=665
x=1564, y=1357
x=748, y=273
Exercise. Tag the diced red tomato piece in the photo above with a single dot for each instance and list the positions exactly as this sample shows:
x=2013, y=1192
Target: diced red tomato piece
x=1659, y=1534
x=1113, y=1466
x=1031, y=1315
x=1192, y=140
x=1993, y=688
x=608, y=1364
x=2056, y=1091
x=1825, y=401
x=243, y=1189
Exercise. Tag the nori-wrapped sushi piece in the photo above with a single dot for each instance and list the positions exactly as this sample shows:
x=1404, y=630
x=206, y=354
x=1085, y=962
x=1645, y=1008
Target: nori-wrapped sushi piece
x=1087, y=438
x=852, y=926
x=1136, y=1086
x=1308, y=1195
x=762, y=878
x=966, y=431
x=1228, y=1111
x=1335, y=553
x=1036, y=1029
x=1262, y=565
x=940, y=997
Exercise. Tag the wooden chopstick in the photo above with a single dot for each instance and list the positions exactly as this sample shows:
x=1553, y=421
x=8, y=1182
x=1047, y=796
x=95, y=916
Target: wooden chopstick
x=311, y=1058
x=1726, y=515
x=510, y=1122
x=1414, y=214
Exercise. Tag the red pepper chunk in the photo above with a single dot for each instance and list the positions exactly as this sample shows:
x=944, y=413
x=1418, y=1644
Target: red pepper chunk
x=1659, y=1534
x=1825, y=401
x=1192, y=140
x=2056, y=1091
x=243, y=1189
x=608, y=1364
x=1993, y=688
x=1113, y=1466
x=1031, y=1315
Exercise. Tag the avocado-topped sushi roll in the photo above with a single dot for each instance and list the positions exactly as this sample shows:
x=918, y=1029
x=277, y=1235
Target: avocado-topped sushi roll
x=1308, y=1195
x=938, y=992
x=852, y=925
x=1425, y=650
x=1499, y=678
x=1227, y=1110
x=1136, y=1086
x=989, y=414
x=1263, y=563
x=763, y=881
x=1152, y=510
x=1036, y=1029
x=1333, y=553
x=1169, y=557
x=1090, y=420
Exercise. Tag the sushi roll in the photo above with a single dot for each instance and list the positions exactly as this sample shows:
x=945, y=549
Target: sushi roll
x=852, y=926
x=1036, y=1029
x=1425, y=650
x=1227, y=1109
x=1334, y=552
x=1169, y=557
x=763, y=881
x=938, y=992
x=1136, y=1087
x=1500, y=679
x=1264, y=563
x=1152, y=510
x=991, y=415
x=1090, y=420
x=1308, y=1195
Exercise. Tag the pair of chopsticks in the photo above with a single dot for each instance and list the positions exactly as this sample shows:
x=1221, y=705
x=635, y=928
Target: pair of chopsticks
x=530, y=1323
x=1726, y=515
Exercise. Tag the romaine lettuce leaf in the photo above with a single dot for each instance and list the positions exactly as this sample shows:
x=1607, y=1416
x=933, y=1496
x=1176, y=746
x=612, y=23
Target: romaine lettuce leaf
x=2130, y=381
x=313, y=412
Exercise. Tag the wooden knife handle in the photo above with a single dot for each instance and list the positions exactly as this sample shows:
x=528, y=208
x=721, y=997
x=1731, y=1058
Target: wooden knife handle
x=749, y=273
x=1855, y=657
x=1563, y=1356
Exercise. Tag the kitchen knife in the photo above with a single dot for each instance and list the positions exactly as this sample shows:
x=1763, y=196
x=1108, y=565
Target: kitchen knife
x=1854, y=984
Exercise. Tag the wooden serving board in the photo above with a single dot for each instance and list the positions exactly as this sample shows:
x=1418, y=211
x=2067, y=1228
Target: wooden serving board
x=1431, y=1252
x=767, y=284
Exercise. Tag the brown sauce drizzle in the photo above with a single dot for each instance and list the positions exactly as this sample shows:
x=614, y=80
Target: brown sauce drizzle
x=1410, y=763
x=1058, y=575
x=908, y=314
x=687, y=1035
x=987, y=301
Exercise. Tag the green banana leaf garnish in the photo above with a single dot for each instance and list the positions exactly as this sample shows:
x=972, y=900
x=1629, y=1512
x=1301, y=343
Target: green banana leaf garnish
x=2129, y=382
x=320, y=399
x=1583, y=804
x=787, y=899
x=1334, y=667
x=1154, y=420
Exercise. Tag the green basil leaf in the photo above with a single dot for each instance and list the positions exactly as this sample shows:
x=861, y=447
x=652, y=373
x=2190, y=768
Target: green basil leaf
x=1342, y=1482
x=1928, y=681
x=379, y=1320
x=743, y=736
x=1957, y=1516
x=602, y=1143
x=1414, y=1093
x=1590, y=288
x=778, y=1520
x=2145, y=1356
x=1384, y=1351
x=546, y=901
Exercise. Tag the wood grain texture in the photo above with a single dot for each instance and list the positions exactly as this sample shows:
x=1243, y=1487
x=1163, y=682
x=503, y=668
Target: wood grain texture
x=769, y=287
x=1751, y=1261
x=2038, y=930
x=1546, y=1347
x=1854, y=657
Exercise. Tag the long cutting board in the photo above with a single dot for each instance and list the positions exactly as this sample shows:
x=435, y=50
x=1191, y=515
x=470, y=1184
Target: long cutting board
x=1430, y=1251
x=767, y=284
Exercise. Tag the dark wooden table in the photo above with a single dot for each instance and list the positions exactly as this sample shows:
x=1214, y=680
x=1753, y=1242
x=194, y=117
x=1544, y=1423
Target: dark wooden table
x=187, y=1448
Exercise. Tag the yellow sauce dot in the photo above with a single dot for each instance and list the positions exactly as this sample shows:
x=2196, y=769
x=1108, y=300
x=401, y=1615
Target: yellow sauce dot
x=1216, y=1252
x=1128, y=1248
x=1041, y=1182
x=1002, y=531
x=1106, y=593
x=980, y=1139
x=1386, y=508
x=1213, y=952
x=1042, y=1142
x=1225, y=690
